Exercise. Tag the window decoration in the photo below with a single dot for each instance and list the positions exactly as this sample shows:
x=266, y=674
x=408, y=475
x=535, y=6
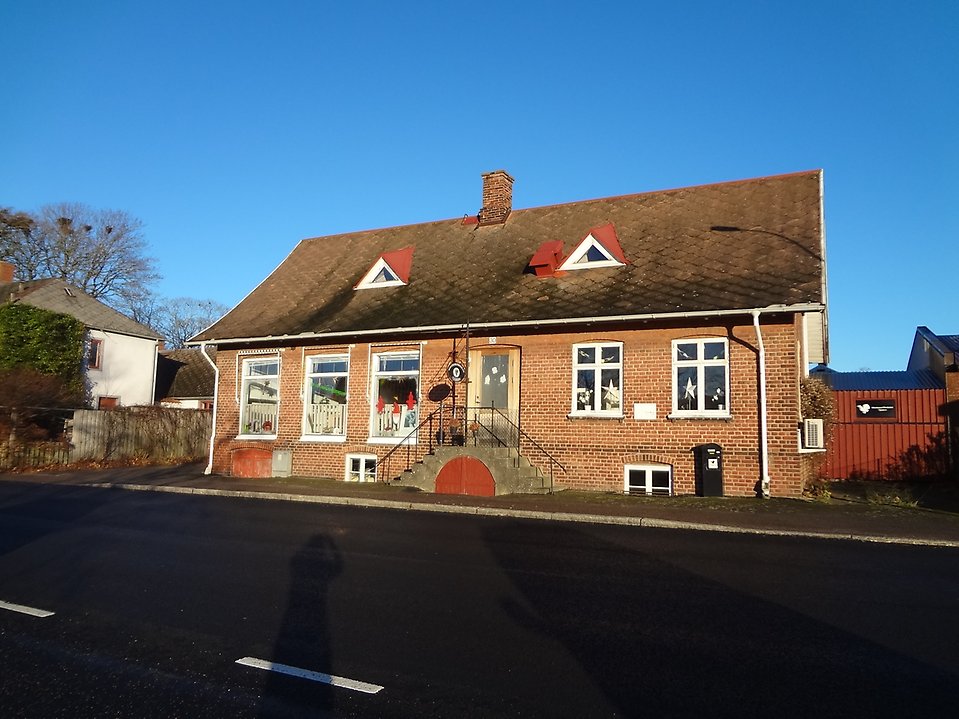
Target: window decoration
x=600, y=248
x=391, y=269
x=396, y=391
x=598, y=379
x=700, y=377
x=360, y=468
x=260, y=396
x=648, y=479
x=324, y=405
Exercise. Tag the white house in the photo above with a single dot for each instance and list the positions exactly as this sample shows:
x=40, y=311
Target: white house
x=121, y=354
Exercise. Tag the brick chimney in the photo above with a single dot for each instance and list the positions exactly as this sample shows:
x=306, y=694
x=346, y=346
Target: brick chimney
x=6, y=272
x=497, y=198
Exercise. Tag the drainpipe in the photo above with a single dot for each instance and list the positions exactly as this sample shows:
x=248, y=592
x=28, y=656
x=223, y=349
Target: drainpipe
x=216, y=404
x=763, y=440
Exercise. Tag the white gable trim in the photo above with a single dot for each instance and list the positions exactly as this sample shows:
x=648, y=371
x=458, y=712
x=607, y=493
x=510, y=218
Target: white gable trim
x=370, y=278
x=576, y=259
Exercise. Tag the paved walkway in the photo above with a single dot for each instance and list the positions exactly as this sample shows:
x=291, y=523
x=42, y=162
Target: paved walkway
x=790, y=517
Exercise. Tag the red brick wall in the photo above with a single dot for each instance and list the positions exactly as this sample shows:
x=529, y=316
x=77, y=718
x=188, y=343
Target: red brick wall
x=593, y=450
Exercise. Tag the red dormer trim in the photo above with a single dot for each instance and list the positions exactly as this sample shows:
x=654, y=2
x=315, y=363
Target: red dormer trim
x=547, y=258
x=400, y=261
x=606, y=236
x=396, y=262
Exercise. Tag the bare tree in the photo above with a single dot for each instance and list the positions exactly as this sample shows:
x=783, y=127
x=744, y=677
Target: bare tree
x=99, y=251
x=180, y=318
x=15, y=229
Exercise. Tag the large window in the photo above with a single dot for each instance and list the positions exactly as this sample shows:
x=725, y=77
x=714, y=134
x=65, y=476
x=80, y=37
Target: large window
x=395, y=396
x=260, y=396
x=700, y=377
x=598, y=379
x=324, y=406
x=648, y=479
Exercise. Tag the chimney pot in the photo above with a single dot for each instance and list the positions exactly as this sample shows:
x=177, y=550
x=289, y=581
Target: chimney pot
x=497, y=198
x=6, y=272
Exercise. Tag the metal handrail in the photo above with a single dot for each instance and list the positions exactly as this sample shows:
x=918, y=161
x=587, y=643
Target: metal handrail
x=522, y=433
x=443, y=436
x=406, y=441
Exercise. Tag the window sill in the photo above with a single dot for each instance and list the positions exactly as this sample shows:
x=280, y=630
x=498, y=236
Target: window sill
x=264, y=437
x=320, y=438
x=721, y=417
x=594, y=415
x=391, y=440
x=807, y=450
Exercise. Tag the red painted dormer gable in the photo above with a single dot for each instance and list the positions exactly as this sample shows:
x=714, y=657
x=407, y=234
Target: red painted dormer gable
x=391, y=269
x=547, y=258
x=401, y=261
x=606, y=235
x=601, y=240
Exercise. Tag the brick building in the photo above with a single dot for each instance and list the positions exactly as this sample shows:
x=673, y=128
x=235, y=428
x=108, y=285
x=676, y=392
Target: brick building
x=589, y=345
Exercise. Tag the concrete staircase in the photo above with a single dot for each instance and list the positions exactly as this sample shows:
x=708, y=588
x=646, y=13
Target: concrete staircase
x=512, y=473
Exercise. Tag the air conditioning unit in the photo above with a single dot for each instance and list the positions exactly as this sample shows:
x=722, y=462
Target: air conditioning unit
x=813, y=435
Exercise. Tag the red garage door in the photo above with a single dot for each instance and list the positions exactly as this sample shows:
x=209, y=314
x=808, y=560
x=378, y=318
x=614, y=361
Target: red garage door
x=465, y=475
x=256, y=463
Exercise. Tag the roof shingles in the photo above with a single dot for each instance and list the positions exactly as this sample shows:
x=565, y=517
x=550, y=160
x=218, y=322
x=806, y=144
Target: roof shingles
x=678, y=262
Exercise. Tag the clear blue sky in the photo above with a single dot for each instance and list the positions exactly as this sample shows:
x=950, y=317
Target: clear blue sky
x=235, y=129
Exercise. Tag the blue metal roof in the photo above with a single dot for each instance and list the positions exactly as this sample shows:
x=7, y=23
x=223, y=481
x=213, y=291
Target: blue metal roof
x=950, y=341
x=869, y=381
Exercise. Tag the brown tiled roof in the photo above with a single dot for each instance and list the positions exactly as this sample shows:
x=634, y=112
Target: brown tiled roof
x=731, y=246
x=56, y=295
x=184, y=374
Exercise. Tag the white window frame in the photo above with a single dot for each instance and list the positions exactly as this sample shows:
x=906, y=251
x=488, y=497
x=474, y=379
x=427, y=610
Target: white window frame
x=648, y=469
x=244, y=381
x=700, y=364
x=375, y=374
x=597, y=367
x=96, y=343
x=363, y=474
x=307, y=432
x=369, y=279
x=573, y=261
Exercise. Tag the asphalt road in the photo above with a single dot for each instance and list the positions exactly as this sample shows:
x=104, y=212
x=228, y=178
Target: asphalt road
x=156, y=597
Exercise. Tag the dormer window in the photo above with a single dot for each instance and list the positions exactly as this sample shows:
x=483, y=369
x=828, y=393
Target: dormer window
x=600, y=248
x=391, y=269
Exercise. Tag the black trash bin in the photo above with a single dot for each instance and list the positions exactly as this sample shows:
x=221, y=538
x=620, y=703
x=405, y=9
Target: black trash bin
x=709, y=470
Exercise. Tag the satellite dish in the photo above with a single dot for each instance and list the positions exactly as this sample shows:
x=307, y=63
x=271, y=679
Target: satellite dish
x=439, y=392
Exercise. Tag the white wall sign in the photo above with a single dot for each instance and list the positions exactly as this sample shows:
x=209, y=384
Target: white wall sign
x=644, y=410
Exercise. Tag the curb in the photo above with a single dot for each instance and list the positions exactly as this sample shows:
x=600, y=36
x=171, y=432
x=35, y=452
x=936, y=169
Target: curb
x=648, y=522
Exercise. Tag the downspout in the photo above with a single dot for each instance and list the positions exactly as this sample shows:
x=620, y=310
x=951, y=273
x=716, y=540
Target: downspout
x=156, y=359
x=216, y=404
x=763, y=439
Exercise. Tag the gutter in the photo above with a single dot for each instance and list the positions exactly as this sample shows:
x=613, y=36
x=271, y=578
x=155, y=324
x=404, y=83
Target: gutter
x=763, y=439
x=216, y=405
x=805, y=307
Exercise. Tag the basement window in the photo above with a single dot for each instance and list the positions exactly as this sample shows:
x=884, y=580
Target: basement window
x=648, y=479
x=360, y=468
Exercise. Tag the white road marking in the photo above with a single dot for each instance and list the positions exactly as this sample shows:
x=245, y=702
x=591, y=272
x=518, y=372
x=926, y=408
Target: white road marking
x=331, y=679
x=25, y=610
